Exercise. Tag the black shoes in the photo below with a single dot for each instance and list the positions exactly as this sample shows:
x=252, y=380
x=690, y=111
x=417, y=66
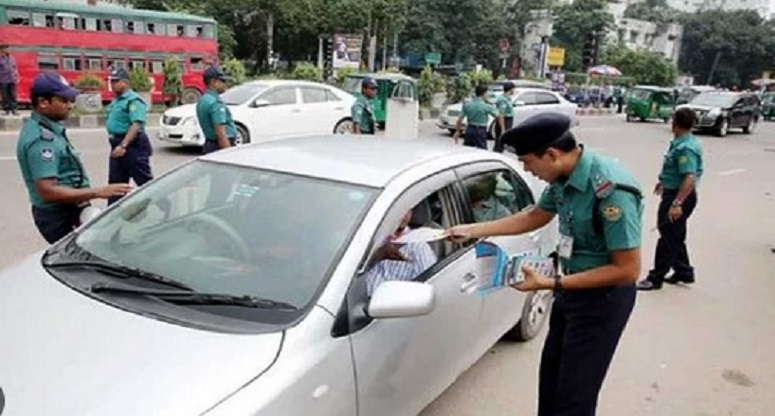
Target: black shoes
x=675, y=279
x=648, y=285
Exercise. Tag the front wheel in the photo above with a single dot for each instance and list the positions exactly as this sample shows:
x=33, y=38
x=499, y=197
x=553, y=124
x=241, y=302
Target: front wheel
x=243, y=135
x=723, y=128
x=534, y=314
x=750, y=127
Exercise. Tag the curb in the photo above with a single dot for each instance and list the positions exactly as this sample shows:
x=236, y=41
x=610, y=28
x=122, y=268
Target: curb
x=596, y=111
x=84, y=121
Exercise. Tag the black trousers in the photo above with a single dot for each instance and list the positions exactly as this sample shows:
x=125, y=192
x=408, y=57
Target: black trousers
x=509, y=123
x=8, y=91
x=475, y=136
x=671, y=250
x=57, y=222
x=211, y=146
x=584, y=330
x=135, y=164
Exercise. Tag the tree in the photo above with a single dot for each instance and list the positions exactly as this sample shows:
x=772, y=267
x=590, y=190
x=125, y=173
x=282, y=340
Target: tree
x=742, y=40
x=573, y=21
x=652, y=10
x=647, y=68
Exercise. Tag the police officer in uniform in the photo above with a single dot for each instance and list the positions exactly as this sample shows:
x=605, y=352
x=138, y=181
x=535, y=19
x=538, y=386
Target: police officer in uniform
x=600, y=210
x=362, y=111
x=213, y=115
x=477, y=112
x=130, y=147
x=681, y=173
x=56, y=182
x=506, y=111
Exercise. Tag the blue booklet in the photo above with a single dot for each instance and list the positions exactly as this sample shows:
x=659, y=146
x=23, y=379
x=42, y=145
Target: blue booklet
x=506, y=269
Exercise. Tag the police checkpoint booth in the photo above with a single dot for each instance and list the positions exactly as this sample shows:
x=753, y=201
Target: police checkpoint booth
x=402, y=115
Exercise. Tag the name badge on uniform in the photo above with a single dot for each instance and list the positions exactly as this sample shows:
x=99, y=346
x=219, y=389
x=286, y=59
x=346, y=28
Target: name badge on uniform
x=566, y=246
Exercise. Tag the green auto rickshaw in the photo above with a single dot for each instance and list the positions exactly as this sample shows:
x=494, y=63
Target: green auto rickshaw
x=388, y=84
x=647, y=102
x=768, y=105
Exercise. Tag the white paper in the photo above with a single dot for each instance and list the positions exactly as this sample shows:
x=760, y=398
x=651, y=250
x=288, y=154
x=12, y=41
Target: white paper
x=421, y=235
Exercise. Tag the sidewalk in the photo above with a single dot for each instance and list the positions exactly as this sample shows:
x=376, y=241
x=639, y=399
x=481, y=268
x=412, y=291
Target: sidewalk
x=14, y=123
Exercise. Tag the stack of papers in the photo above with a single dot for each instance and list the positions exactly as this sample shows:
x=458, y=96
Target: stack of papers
x=507, y=269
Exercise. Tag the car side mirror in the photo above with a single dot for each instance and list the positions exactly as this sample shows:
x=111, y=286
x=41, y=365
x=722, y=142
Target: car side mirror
x=399, y=299
x=519, y=103
x=261, y=103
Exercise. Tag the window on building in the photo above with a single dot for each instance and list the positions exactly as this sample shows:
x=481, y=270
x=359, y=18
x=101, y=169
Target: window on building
x=94, y=63
x=38, y=20
x=48, y=63
x=66, y=22
x=18, y=17
x=90, y=23
x=157, y=67
x=51, y=21
x=193, y=31
x=116, y=25
x=72, y=63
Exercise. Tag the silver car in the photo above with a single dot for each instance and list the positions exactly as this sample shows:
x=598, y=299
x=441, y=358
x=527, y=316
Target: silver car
x=246, y=283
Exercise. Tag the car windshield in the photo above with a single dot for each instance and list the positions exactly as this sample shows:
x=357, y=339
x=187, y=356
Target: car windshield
x=241, y=93
x=641, y=94
x=233, y=230
x=714, y=99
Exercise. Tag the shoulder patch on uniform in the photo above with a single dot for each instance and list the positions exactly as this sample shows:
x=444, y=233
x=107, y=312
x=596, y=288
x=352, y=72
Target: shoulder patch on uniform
x=612, y=212
x=683, y=159
x=132, y=107
x=603, y=188
x=47, y=155
x=46, y=134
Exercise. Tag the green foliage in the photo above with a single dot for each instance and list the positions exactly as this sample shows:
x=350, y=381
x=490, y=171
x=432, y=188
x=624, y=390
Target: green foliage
x=140, y=80
x=644, y=67
x=653, y=11
x=482, y=77
x=744, y=40
x=89, y=82
x=342, y=74
x=236, y=70
x=306, y=71
x=573, y=21
x=429, y=84
x=173, y=85
x=459, y=88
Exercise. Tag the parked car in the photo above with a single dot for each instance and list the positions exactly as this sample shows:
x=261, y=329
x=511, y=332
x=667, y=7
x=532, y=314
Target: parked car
x=239, y=284
x=268, y=110
x=527, y=102
x=721, y=111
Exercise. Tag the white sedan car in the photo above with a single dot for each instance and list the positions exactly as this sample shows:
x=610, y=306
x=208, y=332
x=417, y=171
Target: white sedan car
x=253, y=282
x=268, y=110
x=527, y=103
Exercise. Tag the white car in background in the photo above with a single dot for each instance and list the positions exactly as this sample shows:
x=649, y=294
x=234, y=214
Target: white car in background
x=527, y=103
x=268, y=110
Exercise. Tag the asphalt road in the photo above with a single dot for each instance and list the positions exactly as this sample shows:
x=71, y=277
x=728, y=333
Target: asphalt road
x=704, y=350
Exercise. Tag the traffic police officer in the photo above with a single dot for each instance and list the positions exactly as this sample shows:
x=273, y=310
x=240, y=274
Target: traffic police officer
x=600, y=210
x=506, y=111
x=213, y=115
x=477, y=112
x=130, y=147
x=681, y=173
x=362, y=111
x=56, y=182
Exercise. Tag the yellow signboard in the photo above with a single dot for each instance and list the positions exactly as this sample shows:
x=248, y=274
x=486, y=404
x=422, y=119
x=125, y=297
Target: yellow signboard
x=555, y=57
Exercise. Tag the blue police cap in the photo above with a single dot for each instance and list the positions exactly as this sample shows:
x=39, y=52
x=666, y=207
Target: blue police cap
x=508, y=86
x=213, y=72
x=538, y=133
x=119, y=74
x=50, y=84
x=368, y=82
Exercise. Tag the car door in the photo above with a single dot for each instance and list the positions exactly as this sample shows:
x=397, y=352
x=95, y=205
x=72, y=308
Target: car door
x=493, y=191
x=524, y=106
x=320, y=114
x=738, y=118
x=276, y=114
x=403, y=364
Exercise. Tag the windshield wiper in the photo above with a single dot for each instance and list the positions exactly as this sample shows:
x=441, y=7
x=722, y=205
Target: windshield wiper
x=121, y=272
x=183, y=297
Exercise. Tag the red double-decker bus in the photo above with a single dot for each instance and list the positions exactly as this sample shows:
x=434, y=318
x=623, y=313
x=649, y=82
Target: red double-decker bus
x=76, y=39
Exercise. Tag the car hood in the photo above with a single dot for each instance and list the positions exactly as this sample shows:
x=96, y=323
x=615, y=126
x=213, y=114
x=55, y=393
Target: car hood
x=697, y=107
x=63, y=353
x=186, y=110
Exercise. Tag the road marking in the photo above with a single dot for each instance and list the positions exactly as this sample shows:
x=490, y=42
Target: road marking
x=4, y=158
x=731, y=172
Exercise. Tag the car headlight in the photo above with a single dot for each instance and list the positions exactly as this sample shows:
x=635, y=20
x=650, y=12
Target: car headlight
x=189, y=121
x=714, y=112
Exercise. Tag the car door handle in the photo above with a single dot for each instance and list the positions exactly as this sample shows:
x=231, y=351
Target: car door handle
x=470, y=283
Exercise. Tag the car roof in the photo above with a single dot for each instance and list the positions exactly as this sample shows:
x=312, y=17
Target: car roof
x=279, y=82
x=391, y=76
x=652, y=88
x=367, y=161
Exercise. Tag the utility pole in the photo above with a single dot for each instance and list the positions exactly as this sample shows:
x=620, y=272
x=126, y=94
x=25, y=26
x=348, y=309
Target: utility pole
x=713, y=68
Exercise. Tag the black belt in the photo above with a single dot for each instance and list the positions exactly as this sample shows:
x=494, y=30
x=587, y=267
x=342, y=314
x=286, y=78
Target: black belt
x=478, y=127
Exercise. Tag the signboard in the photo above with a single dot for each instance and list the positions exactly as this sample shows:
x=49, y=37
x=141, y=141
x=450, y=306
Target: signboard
x=555, y=57
x=504, y=45
x=433, y=58
x=347, y=50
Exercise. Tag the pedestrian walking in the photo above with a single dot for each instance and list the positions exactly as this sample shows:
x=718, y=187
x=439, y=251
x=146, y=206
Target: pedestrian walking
x=506, y=112
x=130, y=147
x=682, y=171
x=600, y=210
x=9, y=78
x=214, y=116
x=477, y=112
x=362, y=111
x=56, y=182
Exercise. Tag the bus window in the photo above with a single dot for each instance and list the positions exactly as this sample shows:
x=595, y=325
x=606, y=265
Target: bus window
x=66, y=22
x=209, y=32
x=136, y=63
x=94, y=63
x=154, y=28
x=38, y=20
x=72, y=63
x=18, y=17
x=90, y=23
x=104, y=25
x=134, y=27
x=197, y=63
x=157, y=67
x=116, y=25
x=48, y=63
x=116, y=63
x=51, y=21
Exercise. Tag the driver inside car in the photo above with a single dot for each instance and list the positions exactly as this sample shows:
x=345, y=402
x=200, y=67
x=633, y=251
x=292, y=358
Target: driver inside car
x=399, y=261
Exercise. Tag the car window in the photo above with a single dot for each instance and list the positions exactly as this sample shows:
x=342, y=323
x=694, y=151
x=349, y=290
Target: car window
x=281, y=96
x=313, y=95
x=543, y=98
x=233, y=230
x=529, y=98
x=496, y=194
x=330, y=96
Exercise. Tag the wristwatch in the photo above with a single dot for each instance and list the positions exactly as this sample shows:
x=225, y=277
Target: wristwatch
x=557, y=283
x=677, y=203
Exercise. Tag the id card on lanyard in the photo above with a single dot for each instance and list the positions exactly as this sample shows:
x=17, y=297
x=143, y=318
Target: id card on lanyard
x=565, y=249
